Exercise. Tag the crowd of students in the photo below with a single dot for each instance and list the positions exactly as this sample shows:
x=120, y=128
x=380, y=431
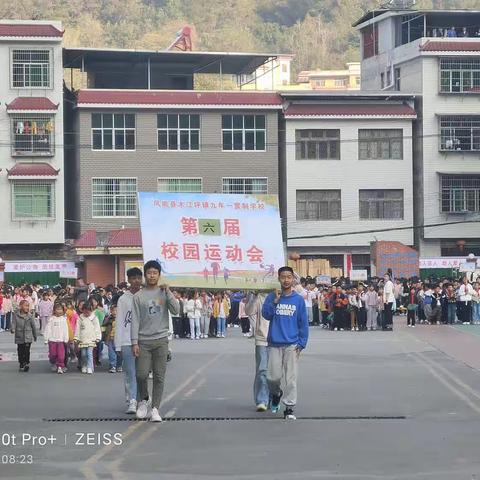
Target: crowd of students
x=371, y=306
x=134, y=324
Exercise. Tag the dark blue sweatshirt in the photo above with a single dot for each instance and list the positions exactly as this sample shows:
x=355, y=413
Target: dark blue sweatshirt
x=288, y=320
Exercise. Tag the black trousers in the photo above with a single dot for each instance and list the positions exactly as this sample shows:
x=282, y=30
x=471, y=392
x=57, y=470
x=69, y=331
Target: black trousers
x=23, y=350
x=362, y=318
x=388, y=316
x=411, y=314
x=245, y=324
x=177, y=325
x=212, y=327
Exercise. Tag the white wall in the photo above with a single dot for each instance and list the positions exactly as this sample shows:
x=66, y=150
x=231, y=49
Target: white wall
x=27, y=231
x=435, y=161
x=349, y=175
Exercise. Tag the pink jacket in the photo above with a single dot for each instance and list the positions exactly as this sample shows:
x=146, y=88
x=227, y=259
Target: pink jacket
x=45, y=308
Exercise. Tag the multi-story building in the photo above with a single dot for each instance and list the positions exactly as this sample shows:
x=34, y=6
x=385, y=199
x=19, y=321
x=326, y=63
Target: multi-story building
x=140, y=139
x=275, y=74
x=31, y=139
x=342, y=80
x=436, y=55
x=348, y=170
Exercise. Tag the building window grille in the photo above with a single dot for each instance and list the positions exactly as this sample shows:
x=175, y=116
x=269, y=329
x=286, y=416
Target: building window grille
x=243, y=132
x=245, y=185
x=33, y=200
x=113, y=131
x=179, y=185
x=32, y=135
x=460, y=75
x=114, y=197
x=381, y=204
x=460, y=193
x=178, y=132
x=31, y=68
x=460, y=133
x=317, y=144
x=319, y=205
x=380, y=144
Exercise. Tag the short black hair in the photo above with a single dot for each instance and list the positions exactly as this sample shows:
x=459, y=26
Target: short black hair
x=152, y=264
x=87, y=306
x=134, y=272
x=285, y=269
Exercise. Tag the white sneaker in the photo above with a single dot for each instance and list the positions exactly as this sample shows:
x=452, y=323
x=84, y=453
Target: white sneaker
x=142, y=410
x=155, y=416
x=353, y=329
x=223, y=335
x=335, y=329
x=356, y=329
x=197, y=337
x=84, y=369
x=89, y=371
x=413, y=326
x=150, y=375
x=53, y=368
x=192, y=337
x=132, y=406
x=60, y=370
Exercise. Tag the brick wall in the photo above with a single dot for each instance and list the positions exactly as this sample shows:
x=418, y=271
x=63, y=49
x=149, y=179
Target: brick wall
x=99, y=269
x=401, y=259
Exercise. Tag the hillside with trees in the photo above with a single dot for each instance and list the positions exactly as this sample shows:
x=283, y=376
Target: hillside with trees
x=318, y=32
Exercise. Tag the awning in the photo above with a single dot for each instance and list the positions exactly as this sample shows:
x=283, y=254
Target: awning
x=395, y=110
x=32, y=104
x=32, y=171
x=122, y=238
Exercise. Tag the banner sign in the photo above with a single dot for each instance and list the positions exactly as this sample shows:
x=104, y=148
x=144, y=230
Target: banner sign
x=213, y=240
x=357, y=275
x=69, y=273
x=41, y=266
x=443, y=262
x=323, y=280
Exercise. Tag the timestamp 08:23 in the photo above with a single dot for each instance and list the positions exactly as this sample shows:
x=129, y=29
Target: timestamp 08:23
x=16, y=459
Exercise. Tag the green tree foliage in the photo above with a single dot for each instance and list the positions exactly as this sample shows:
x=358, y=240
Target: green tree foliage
x=318, y=32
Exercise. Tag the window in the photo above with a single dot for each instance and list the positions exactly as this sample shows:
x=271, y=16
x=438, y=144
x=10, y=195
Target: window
x=386, y=144
x=389, y=78
x=114, y=197
x=370, y=41
x=460, y=133
x=397, y=78
x=340, y=82
x=178, y=132
x=381, y=204
x=320, y=83
x=31, y=69
x=460, y=75
x=183, y=185
x=460, y=193
x=317, y=144
x=382, y=80
x=33, y=200
x=319, y=205
x=113, y=131
x=284, y=68
x=243, y=132
x=357, y=80
x=245, y=185
x=32, y=135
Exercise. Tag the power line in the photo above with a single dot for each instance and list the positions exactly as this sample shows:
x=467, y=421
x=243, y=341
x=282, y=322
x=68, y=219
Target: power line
x=391, y=229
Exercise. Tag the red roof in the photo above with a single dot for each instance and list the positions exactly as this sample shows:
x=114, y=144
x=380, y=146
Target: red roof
x=126, y=237
x=32, y=170
x=349, y=110
x=31, y=103
x=449, y=46
x=181, y=97
x=28, y=30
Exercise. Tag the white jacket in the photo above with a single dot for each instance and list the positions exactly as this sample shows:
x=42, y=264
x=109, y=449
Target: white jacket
x=466, y=292
x=88, y=331
x=193, y=308
x=253, y=309
x=56, y=329
x=123, y=323
x=388, y=294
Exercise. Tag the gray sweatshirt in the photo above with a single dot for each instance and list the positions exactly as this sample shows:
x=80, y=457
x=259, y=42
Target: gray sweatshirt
x=150, y=314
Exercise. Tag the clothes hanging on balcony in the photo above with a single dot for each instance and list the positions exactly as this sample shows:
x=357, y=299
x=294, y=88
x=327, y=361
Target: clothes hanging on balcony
x=34, y=128
x=19, y=128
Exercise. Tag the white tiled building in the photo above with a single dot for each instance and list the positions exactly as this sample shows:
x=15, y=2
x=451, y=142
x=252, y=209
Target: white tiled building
x=436, y=55
x=348, y=169
x=31, y=134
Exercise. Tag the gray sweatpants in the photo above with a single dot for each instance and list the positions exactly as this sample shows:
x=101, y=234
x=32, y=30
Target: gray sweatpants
x=283, y=364
x=372, y=315
x=153, y=356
